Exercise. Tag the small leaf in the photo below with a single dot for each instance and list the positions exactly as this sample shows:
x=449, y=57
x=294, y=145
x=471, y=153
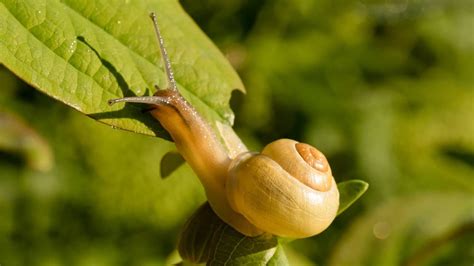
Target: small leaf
x=206, y=238
x=349, y=192
x=278, y=258
x=170, y=162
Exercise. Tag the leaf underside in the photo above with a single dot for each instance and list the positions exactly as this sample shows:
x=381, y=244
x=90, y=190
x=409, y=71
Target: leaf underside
x=84, y=53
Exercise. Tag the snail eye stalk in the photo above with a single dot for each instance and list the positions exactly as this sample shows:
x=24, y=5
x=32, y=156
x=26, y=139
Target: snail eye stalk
x=156, y=99
x=164, y=55
x=146, y=99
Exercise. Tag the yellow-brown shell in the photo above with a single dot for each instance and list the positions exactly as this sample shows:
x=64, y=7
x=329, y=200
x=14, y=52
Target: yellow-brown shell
x=287, y=190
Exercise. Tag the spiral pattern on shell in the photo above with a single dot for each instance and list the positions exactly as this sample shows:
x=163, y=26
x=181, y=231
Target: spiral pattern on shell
x=287, y=190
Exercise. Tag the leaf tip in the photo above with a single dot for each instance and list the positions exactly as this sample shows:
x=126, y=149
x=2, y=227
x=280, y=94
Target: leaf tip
x=350, y=191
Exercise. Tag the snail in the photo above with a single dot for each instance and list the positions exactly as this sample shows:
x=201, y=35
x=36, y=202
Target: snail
x=286, y=190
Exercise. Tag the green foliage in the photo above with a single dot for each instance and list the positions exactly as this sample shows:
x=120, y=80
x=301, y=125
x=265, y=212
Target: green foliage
x=18, y=138
x=413, y=230
x=84, y=53
x=103, y=195
x=383, y=88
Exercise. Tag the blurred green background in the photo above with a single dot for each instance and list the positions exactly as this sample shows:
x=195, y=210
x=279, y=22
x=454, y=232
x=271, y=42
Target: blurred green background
x=384, y=88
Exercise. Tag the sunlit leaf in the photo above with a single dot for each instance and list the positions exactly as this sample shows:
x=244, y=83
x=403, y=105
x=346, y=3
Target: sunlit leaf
x=349, y=192
x=84, y=53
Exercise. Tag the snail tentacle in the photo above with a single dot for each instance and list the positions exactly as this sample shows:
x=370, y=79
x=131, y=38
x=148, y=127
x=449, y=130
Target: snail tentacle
x=164, y=54
x=155, y=100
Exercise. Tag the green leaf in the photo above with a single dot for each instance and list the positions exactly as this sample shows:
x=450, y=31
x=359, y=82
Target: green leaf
x=206, y=238
x=349, y=192
x=279, y=257
x=84, y=53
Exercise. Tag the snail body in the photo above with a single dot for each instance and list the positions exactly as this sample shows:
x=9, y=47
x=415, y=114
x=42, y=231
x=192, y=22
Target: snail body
x=286, y=190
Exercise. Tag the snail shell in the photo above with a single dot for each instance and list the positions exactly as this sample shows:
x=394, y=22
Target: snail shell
x=287, y=190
